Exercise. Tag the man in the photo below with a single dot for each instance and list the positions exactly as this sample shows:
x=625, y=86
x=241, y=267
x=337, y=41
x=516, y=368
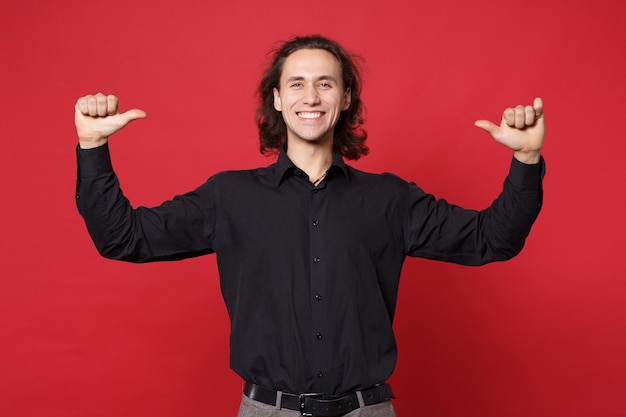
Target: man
x=309, y=249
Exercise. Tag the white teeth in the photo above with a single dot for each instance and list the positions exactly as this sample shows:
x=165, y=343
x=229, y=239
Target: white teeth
x=310, y=115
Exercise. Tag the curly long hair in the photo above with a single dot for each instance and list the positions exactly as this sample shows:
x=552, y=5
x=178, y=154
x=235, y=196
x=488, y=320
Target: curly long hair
x=349, y=134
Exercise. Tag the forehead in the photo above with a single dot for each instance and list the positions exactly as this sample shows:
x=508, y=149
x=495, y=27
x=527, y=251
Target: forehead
x=311, y=63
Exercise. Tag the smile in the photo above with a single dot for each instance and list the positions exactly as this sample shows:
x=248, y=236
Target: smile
x=309, y=114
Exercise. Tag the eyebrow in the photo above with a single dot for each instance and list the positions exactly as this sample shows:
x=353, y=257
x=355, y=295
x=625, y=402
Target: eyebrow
x=320, y=78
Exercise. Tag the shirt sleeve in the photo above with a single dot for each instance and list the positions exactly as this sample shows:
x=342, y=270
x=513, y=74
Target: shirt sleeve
x=438, y=230
x=180, y=228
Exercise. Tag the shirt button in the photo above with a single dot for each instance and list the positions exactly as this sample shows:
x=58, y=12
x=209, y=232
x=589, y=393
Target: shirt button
x=316, y=223
x=320, y=374
x=315, y=191
x=316, y=259
x=319, y=336
x=318, y=297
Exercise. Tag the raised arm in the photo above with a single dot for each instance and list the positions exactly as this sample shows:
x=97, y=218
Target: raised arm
x=97, y=117
x=178, y=228
x=439, y=230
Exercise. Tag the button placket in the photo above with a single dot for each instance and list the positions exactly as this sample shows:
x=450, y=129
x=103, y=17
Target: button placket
x=318, y=282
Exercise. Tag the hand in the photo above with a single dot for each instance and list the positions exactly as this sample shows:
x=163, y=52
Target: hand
x=522, y=129
x=97, y=117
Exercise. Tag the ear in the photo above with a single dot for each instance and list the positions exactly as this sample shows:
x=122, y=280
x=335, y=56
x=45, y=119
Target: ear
x=277, y=103
x=347, y=99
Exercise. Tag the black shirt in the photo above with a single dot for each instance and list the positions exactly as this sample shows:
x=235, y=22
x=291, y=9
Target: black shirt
x=309, y=274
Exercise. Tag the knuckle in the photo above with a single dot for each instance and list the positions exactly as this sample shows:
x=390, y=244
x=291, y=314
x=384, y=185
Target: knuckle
x=111, y=105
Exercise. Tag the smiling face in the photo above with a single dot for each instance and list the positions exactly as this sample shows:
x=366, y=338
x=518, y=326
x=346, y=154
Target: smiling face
x=311, y=95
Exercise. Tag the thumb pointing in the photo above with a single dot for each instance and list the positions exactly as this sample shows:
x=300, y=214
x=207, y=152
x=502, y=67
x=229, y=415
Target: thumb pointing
x=486, y=125
x=133, y=114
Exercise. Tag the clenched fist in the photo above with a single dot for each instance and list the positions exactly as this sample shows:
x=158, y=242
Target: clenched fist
x=97, y=117
x=522, y=129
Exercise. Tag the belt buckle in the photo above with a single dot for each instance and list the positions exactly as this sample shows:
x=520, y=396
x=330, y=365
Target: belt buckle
x=302, y=398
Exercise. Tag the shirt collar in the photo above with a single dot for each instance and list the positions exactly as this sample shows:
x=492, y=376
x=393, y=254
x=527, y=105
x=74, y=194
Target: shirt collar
x=285, y=167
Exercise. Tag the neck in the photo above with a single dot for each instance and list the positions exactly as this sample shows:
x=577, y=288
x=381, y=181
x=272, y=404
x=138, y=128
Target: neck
x=314, y=159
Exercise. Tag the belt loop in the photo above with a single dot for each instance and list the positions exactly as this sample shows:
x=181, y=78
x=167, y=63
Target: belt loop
x=279, y=400
x=359, y=396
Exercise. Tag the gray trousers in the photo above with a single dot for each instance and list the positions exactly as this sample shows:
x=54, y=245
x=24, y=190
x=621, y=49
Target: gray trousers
x=251, y=408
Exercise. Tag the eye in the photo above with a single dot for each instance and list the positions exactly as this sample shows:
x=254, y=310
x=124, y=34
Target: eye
x=295, y=85
x=325, y=85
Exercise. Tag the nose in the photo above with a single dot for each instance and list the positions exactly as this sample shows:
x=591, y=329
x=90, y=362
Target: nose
x=310, y=96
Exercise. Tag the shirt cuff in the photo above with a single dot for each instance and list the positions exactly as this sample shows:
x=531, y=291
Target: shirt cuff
x=527, y=177
x=93, y=162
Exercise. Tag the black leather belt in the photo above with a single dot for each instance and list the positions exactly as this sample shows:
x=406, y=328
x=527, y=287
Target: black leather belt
x=311, y=404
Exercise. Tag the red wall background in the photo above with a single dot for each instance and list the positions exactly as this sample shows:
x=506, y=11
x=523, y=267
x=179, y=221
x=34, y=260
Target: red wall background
x=541, y=335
